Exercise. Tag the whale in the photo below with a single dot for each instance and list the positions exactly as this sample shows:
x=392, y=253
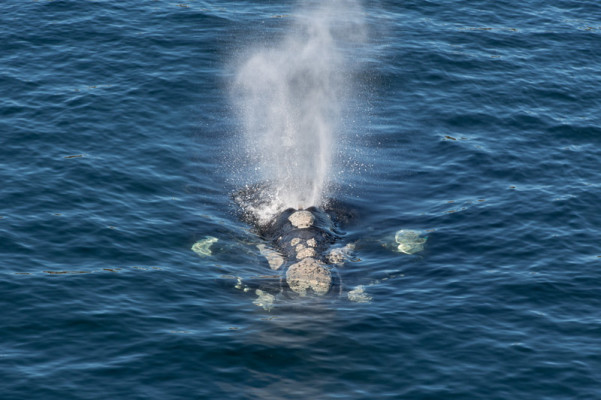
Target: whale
x=302, y=248
x=298, y=244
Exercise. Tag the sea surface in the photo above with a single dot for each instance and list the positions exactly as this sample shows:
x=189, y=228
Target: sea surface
x=475, y=123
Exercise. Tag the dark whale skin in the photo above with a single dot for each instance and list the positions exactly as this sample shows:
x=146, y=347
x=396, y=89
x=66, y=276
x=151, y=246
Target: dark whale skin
x=281, y=232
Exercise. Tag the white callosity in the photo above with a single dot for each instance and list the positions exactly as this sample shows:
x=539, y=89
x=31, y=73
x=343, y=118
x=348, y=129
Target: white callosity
x=341, y=254
x=306, y=252
x=309, y=274
x=302, y=219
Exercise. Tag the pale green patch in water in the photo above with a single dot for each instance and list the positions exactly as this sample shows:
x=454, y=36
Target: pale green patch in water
x=203, y=247
x=358, y=295
x=264, y=300
x=274, y=259
x=409, y=242
x=239, y=283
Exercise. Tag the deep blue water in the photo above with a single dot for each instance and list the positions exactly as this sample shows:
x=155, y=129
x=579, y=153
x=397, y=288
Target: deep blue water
x=479, y=122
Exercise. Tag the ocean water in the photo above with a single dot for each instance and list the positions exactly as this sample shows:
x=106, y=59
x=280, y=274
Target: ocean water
x=476, y=123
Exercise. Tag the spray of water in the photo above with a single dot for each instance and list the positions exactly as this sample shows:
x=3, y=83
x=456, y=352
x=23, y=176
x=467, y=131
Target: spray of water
x=290, y=97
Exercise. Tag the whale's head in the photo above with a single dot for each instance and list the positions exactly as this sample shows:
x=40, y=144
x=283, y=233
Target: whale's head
x=303, y=237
